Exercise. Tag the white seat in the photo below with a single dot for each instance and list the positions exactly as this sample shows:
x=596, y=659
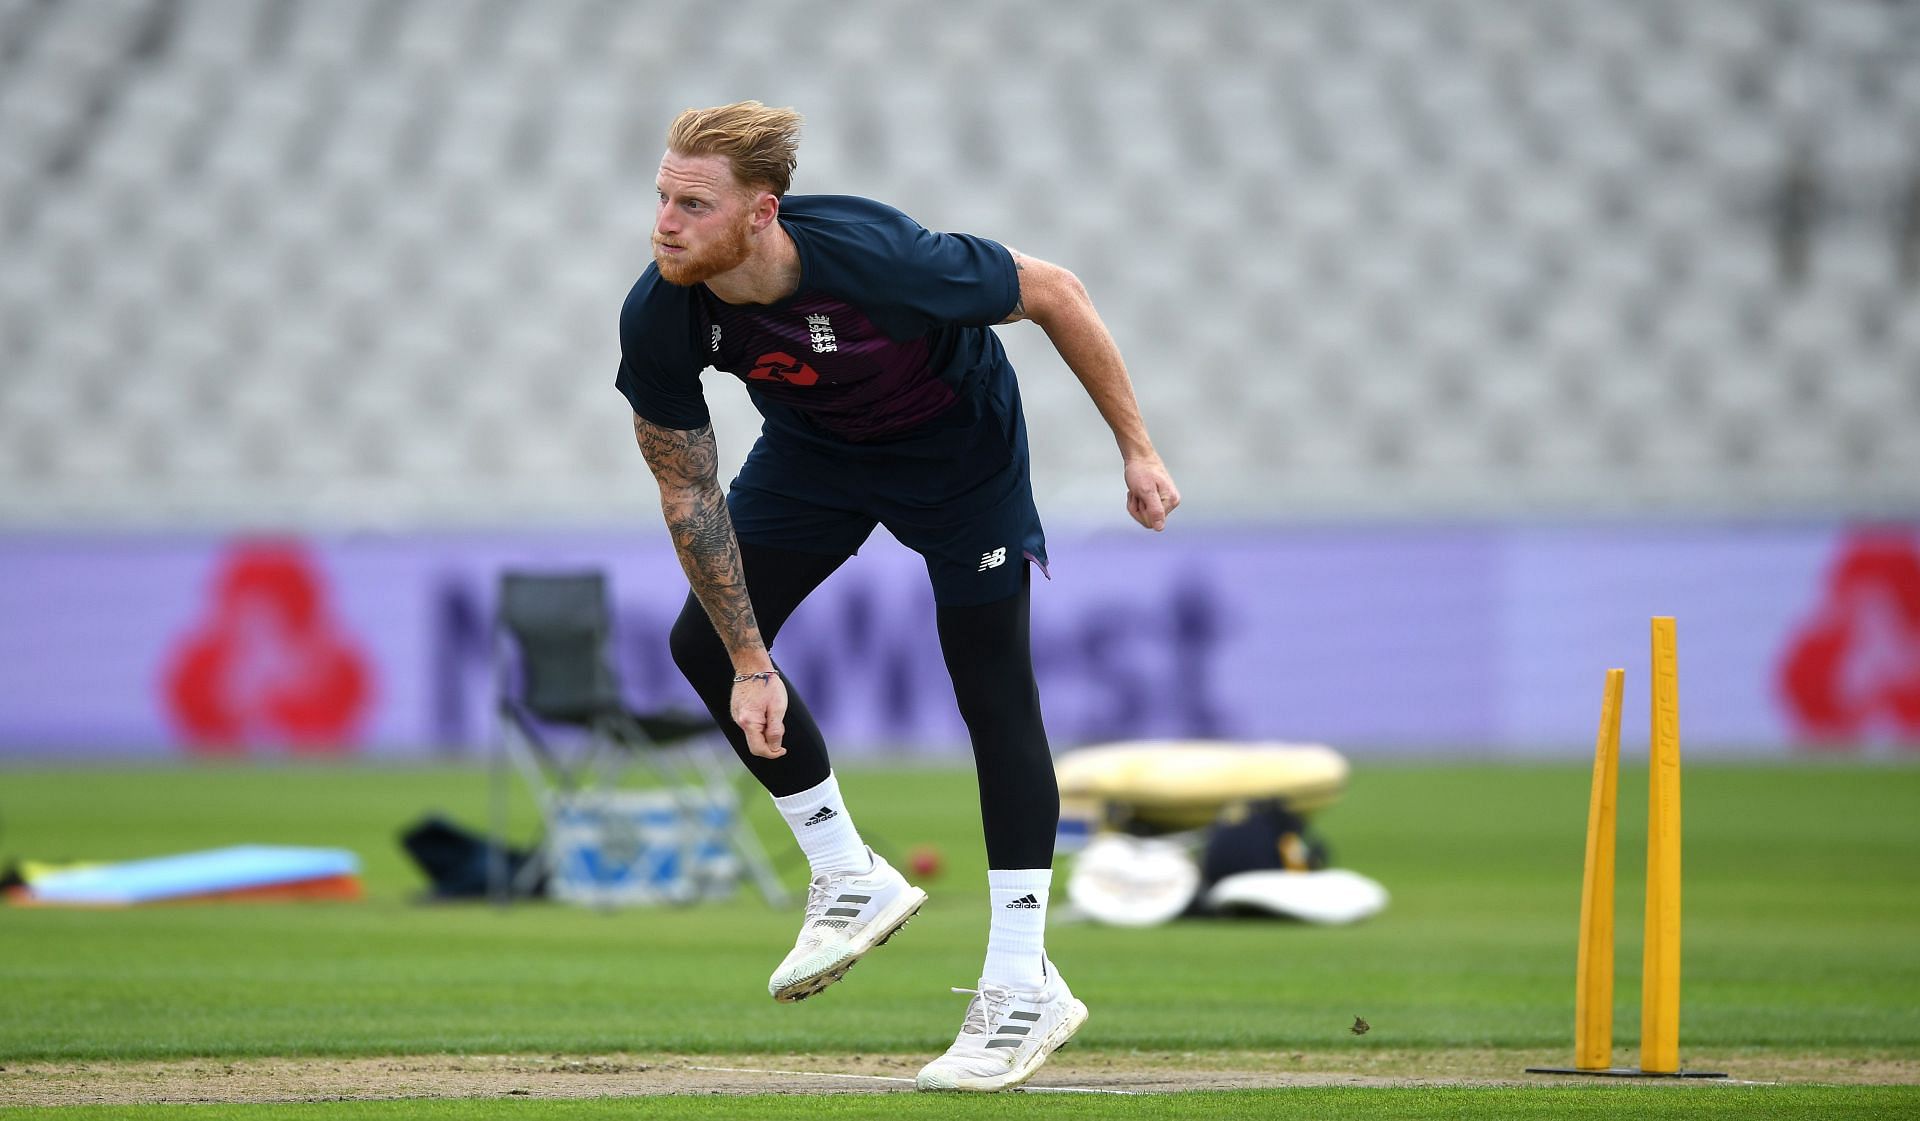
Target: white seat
x=333, y=33
x=217, y=32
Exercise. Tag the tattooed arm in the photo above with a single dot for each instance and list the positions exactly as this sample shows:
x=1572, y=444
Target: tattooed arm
x=685, y=464
x=1056, y=300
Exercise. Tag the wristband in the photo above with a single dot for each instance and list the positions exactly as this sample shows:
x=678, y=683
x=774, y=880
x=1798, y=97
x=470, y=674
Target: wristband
x=756, y=675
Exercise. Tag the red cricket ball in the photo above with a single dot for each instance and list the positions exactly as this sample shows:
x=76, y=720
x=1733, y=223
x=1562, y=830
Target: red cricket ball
x=924, y=862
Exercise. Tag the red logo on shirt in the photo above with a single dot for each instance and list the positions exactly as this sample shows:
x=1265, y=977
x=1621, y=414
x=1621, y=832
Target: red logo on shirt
x=1856, y=664
x=778, y=365
x=268, y=664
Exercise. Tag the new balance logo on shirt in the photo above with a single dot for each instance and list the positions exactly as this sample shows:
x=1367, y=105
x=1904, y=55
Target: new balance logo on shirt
x=1024, y=903
x=824, y=813
x=992, y=560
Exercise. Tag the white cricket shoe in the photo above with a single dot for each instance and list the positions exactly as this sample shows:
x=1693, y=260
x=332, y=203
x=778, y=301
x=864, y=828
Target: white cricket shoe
x=848, y=914
x=1006, y=1036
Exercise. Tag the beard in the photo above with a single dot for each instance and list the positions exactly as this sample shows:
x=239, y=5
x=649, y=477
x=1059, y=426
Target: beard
x=728, y=252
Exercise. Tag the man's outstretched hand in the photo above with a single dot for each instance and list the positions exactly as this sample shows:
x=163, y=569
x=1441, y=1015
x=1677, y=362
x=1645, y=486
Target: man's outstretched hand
x=1151, y=495
x=760, y=708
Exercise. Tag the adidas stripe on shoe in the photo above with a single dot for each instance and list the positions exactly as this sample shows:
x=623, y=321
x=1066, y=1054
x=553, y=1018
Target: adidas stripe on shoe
x=848, y=914
x=1006, y=1036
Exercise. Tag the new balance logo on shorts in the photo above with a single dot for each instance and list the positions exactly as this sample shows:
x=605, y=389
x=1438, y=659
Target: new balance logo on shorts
x=824, y=813
x=992, y=560
x=1024, y=903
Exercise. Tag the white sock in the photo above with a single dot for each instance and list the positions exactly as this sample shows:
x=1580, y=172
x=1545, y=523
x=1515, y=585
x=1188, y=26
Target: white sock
x=824, y=828
x=1016, y=937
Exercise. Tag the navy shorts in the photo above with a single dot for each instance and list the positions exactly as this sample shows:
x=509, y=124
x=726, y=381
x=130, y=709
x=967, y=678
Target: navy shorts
x=957, y=490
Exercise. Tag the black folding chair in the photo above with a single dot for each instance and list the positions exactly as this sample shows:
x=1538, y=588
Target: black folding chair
x=555, y=673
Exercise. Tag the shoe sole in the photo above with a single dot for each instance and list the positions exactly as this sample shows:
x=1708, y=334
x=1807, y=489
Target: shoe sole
x=872, y=938
x=1076, y=1018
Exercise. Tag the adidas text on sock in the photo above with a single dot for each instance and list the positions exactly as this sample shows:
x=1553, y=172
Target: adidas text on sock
x=824, y=829
x=1016, y=930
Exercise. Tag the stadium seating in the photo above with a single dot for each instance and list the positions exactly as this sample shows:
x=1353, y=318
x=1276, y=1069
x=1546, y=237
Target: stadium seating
x=325, y=264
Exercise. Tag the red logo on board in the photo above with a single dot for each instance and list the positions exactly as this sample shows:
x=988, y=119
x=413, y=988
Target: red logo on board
x=267, y=664
x=1854, y=668
x=778, y=365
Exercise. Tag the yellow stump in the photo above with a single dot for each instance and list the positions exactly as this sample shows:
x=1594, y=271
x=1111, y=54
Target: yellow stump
x=1660, y=973
x=1593, y=995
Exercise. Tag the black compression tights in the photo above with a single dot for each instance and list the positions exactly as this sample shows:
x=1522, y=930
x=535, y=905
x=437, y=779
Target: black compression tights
x=989, y=658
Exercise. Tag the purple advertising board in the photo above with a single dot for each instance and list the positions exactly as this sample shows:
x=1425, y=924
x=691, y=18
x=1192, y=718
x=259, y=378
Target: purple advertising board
x=1475, y=640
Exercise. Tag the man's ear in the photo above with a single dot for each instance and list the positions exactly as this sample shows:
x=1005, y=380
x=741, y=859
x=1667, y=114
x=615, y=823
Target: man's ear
x=766, y=209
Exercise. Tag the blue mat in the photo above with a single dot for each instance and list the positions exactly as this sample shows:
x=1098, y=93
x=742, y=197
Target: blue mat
x=189, y=874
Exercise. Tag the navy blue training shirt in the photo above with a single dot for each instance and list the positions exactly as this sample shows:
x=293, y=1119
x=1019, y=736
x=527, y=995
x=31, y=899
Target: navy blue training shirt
x=890, y=322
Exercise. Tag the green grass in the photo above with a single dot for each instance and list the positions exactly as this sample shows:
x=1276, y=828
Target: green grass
x=1802, y=935
x=1341, y=1104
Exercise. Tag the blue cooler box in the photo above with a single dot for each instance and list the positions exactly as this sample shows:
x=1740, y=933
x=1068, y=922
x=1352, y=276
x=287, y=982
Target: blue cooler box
x=639, y=847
